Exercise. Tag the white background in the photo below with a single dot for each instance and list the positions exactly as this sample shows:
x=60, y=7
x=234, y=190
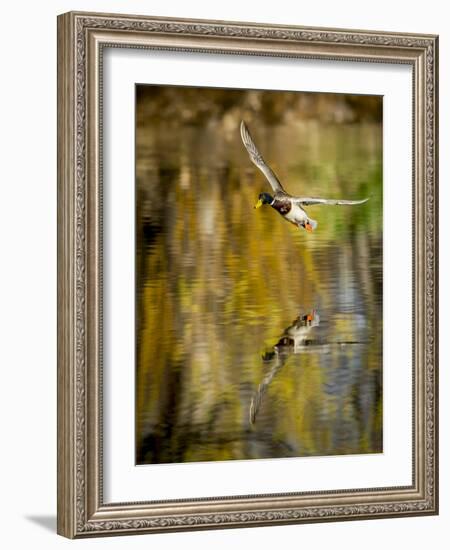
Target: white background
x=28, y=274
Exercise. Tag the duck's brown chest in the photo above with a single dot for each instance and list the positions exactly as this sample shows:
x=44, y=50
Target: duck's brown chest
x=283, y=207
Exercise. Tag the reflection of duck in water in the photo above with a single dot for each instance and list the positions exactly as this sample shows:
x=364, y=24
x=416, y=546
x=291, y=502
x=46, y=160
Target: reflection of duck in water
x=292, y=340
x=291, y=208
x=294, y=337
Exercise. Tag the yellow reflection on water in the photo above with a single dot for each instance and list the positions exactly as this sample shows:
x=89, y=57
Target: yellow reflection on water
x=219, y=284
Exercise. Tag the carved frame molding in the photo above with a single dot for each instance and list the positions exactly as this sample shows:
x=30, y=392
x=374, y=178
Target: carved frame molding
x=81, y=39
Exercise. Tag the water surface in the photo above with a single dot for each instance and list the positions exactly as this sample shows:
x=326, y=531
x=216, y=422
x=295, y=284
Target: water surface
x=226, y=366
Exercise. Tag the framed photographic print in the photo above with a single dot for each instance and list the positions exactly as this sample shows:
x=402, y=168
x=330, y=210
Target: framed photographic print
x=247, y=285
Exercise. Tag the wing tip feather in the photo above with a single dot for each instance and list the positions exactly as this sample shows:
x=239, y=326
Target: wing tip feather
x=245, y=134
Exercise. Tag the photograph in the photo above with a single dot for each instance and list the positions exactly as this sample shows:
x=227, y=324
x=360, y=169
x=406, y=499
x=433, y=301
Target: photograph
x=247, y=280
x=257, y=338
x=221, y=265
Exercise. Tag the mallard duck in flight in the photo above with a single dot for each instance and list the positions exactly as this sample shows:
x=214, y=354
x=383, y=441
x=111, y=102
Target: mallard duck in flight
x=291, y=208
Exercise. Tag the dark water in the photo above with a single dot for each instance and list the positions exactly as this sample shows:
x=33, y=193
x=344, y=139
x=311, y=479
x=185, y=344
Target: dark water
x=227, y=367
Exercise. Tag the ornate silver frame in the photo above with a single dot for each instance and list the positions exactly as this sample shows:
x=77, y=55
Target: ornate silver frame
x=81, y=39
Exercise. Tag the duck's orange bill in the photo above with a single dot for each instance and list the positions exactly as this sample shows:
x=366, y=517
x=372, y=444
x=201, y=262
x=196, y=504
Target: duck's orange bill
x=309, y=227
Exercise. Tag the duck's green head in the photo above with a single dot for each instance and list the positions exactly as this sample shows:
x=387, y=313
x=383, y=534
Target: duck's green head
x=264, y=198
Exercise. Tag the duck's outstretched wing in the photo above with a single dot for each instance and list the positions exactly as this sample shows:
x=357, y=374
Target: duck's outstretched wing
x=308, y=201
x=280, y=361
x=256, y=158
